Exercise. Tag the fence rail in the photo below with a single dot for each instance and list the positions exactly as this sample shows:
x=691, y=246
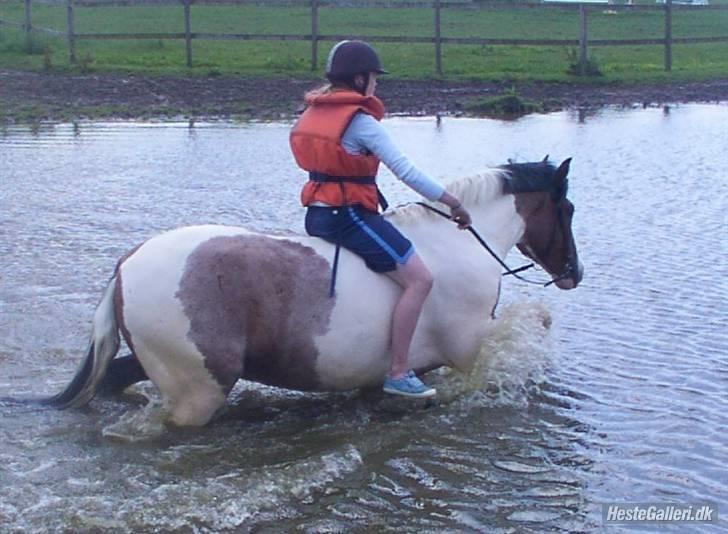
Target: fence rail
x=582, y=41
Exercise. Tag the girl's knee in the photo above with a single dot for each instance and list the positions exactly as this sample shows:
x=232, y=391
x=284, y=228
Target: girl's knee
x=427, y=280
x=423, y=279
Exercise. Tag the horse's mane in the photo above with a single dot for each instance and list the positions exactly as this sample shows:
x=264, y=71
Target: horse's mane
x=479, y=188
x=486, y=186
x=529, y=177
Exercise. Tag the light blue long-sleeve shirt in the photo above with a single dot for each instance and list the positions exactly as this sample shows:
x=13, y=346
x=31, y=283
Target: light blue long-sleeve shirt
x=366, y=134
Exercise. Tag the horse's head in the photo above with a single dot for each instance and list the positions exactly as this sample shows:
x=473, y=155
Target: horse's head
x=540, y=191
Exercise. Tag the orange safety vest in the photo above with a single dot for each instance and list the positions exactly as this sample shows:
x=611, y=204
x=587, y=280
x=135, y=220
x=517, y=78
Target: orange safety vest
x=336, y=177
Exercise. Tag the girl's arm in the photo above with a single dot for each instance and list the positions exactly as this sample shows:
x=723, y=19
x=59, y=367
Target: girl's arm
x=366, y=135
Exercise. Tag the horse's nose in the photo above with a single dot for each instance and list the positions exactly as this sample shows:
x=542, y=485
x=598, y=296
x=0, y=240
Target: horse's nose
x=570, y=282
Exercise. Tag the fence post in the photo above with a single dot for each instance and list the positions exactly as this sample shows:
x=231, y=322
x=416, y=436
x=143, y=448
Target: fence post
x=668, y=35
x=27, y=25
x=188, y=33
x=314, y=34
x=582, y=40
x=438, y=38
x=71, y=33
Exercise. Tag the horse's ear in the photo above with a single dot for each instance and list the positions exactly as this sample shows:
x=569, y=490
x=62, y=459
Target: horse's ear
x=545, y=159
x=562, y=171
x=561, y=184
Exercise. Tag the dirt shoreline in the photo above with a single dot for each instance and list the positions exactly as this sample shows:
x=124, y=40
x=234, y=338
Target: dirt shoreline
x=28, y=96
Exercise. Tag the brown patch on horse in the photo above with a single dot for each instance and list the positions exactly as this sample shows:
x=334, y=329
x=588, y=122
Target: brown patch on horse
x=255, y=306
x=119, y=298
x=543, y=240
x=532, y=207
x=119, y=312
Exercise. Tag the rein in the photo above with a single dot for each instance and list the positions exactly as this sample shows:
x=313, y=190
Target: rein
x=503, y=264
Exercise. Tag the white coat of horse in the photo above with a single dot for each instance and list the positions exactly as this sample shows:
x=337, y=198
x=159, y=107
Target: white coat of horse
x=201, y=307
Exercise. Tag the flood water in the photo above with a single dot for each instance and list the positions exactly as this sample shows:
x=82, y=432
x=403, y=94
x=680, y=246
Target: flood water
x=621, y=399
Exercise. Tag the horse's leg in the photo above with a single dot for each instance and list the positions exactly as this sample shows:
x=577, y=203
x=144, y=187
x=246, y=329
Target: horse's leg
x=194, y=407
x=122, y=373
x=189, y=392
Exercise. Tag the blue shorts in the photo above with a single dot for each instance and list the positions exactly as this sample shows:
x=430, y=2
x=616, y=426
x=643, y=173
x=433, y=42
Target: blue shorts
x=366, y=233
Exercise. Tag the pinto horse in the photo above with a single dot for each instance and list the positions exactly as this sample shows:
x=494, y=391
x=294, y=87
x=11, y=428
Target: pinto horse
x=201, y=307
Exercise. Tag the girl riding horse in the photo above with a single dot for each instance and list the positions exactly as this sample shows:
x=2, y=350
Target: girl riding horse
x=201, y=307
x=340, y=142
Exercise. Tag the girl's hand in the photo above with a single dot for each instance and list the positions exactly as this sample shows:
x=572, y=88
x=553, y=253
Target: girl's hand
x=461, y=216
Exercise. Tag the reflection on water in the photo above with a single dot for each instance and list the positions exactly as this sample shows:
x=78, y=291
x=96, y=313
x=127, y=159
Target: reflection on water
x=621, y=399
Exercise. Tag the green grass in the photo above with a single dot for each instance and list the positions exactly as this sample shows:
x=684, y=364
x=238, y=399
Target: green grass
x=507, y=105
x=414, y=61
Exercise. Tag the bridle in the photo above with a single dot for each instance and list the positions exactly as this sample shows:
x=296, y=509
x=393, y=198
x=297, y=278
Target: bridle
x=569, y=270
x=514, y=272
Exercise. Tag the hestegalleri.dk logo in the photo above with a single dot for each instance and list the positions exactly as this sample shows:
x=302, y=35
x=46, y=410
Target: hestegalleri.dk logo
x=659, y=513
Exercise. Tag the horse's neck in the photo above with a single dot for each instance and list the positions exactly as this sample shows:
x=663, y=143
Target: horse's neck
x=498, y=223
x=494, y=218
x=494, y=213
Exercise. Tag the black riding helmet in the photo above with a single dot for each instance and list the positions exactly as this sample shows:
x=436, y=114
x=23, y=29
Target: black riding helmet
x=349, y=58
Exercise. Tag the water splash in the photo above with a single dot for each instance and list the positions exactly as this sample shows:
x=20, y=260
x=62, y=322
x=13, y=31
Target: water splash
x=512, y=358
x=140, y=424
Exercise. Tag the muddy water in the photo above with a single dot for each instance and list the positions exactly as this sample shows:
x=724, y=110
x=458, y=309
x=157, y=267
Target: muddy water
x=613, y=392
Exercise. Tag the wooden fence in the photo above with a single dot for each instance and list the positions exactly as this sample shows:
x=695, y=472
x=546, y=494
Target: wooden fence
x=438, y=40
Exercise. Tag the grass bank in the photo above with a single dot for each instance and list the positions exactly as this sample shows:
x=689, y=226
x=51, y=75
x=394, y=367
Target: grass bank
x=407, y=61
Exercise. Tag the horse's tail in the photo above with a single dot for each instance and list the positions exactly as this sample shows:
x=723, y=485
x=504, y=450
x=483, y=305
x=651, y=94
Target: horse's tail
x=102, y=347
